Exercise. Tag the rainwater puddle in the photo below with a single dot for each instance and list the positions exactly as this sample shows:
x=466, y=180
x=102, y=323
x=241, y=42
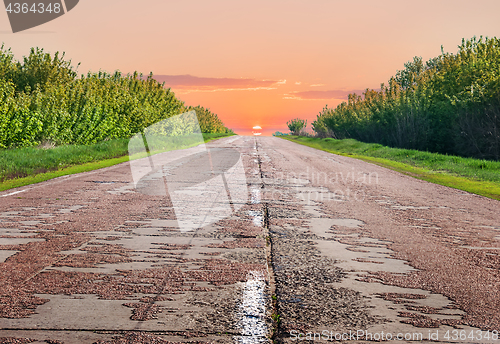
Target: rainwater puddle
x=252, y=311
x=257, y=217
x=160, y=223
x=255, y=195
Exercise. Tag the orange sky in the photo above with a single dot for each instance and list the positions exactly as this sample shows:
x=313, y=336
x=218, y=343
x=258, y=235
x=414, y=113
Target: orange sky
x=259, y=62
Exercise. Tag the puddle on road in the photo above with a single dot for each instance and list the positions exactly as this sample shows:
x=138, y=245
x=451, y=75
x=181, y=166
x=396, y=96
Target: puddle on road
x=255, y=195
x=257, y=217
x=252, y=311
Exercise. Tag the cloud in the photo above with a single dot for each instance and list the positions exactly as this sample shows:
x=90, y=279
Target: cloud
x=317, y=85
x=190, y=83
x=315, y=95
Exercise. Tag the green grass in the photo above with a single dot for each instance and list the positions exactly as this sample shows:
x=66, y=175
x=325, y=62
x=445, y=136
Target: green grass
x=25, y=166
x=481, y=177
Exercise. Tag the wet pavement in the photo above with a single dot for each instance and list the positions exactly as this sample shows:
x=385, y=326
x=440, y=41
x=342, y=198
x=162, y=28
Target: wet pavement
x=299, y=245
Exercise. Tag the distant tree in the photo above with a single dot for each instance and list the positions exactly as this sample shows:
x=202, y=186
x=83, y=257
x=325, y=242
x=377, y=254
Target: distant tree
x=296, y=125
x=209, y=122
x=279, y=133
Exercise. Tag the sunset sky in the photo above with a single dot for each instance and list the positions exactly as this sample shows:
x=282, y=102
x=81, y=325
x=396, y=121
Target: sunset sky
x=258, y=63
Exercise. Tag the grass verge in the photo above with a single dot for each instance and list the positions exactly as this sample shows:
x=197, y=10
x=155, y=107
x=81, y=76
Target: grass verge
x=481, y=177
x=25, y=166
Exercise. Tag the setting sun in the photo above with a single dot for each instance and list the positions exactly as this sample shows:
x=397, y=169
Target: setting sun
x=257, y=130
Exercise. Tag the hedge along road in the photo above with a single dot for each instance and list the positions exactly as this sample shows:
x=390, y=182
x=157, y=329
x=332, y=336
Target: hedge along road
x=320, y=247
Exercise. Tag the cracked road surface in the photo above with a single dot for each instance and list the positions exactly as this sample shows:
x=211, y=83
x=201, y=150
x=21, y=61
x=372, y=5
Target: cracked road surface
x=323, y=244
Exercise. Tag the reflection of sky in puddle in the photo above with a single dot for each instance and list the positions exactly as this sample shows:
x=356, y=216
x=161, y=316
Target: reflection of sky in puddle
x=252, y=311
x=257, y=217
x=255, y=197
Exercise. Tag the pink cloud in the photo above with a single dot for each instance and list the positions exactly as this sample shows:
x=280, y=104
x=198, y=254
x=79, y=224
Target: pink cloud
x=192, y=83
x=315, y=95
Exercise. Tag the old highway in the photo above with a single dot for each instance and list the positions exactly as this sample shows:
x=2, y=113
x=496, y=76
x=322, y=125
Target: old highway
x=273, y=242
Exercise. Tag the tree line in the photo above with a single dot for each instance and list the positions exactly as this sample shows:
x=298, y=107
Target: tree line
x=449, y=104
x=42, y=99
